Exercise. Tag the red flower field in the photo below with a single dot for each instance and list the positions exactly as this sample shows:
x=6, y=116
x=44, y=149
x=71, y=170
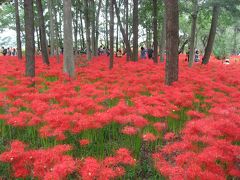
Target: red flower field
x=121, y=123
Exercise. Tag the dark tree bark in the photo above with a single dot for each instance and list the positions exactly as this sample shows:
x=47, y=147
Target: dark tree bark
x=135, y=30
x=111, y=10
x=87, y=27
x=193, y=32
x=172, y=28
x=29, y=36
x=68, y=39
x=18, y=30
x=124, y=34
x=43, y=39
x=155, y=31
x=211, y=37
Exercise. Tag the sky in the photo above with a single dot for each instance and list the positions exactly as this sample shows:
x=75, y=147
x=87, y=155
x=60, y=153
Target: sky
x=8, y=38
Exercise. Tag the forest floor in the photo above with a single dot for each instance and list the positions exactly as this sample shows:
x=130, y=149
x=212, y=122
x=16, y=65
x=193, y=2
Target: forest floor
x=120, y=124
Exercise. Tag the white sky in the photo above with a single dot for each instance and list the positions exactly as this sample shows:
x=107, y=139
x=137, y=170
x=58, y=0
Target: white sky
x=8, y=38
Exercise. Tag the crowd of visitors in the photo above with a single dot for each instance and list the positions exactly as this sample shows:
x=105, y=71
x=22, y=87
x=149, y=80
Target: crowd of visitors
x=8, y=52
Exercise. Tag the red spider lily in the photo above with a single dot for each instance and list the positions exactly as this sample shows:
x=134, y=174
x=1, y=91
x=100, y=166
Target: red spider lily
x=149, y=137
x=84, y=142
x=169, y=136
x=129, y=130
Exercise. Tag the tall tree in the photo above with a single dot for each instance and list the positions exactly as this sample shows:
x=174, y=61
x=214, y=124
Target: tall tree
x=172, y=28
x=211, y=37
x=93, y=27
x=57, y=39
x=18, y=30
x=81, y=30
x=193, y=32
x=75, y=25
x=106, y=24
x=68, y=39
x=127, y=39
x=111, y=10
x=124, y=33
x=163, y=37
x=236, y=30
x=97, y=24
x=155, y=31
x=87, y=27
x=50, y=8
x=43, y=39
x=29, y=36
x=135, y=30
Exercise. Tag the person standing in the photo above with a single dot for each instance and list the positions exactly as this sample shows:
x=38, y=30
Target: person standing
x=196, y=57
x=150, y=53
x=143, y=53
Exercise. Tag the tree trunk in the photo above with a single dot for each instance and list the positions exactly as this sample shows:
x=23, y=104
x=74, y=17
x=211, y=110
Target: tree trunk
x=235, y=50
x=81, y=29
x=60, y=26
x=93, y=25
x=57, y=40
x=19, y=43
x=172, y=28
x=106, y=19
x=111, y=33
x=76, y=29
x=125, y=37
x=37, y=31
x=68, y=39
x=163, y=38
x=135, y=30
x=43, y=39
x=193, y=32
x=87, y=27
x=50, y=7
x=117, y=40
x=97, y=24
x=181, y=50
x=29, y=37
x=155, y=31
x=211, y=37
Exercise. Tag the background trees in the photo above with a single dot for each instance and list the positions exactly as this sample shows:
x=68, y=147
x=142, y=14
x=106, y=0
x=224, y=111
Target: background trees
x=141, y=23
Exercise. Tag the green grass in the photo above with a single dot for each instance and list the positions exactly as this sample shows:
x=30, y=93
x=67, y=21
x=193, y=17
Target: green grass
x=51, y=78
x=109, y=103
x=176, y=125
x=3, y=89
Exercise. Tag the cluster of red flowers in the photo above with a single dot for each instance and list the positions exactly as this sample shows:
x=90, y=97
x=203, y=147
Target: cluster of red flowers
x=127, y=95
x=42, y=163
x=207, y=147
x=109, y=168
x=53, y=164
